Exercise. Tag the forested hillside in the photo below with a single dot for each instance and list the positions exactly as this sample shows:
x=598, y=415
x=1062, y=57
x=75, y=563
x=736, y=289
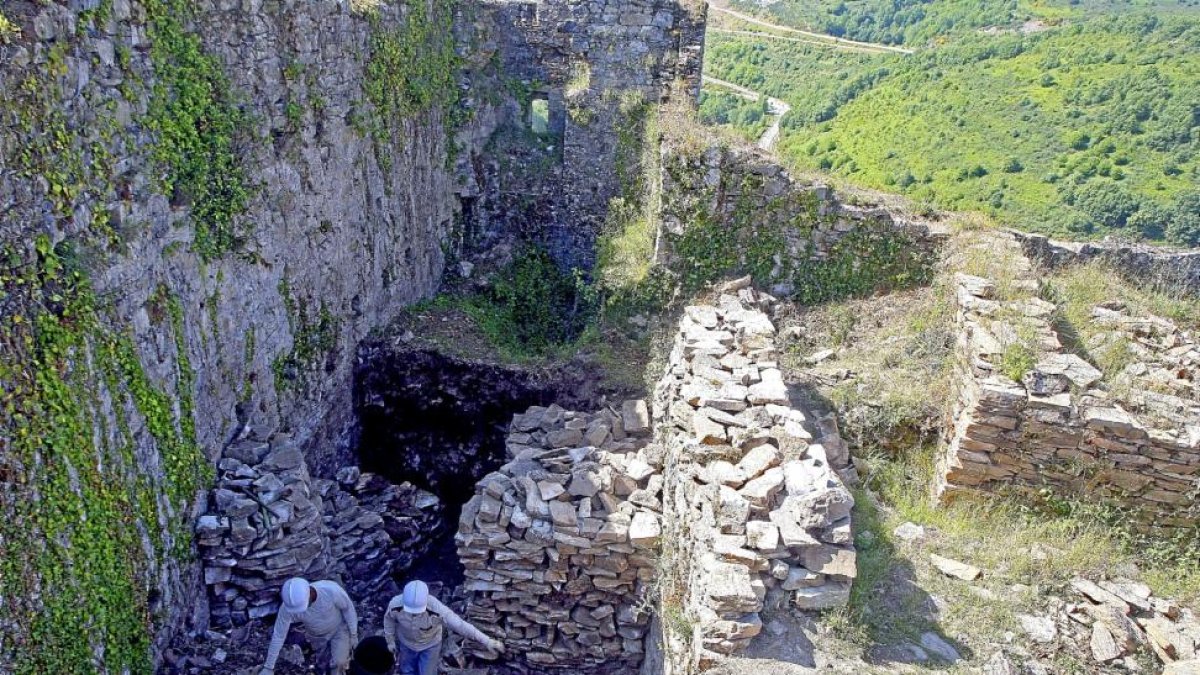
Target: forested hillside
x=1079, y=120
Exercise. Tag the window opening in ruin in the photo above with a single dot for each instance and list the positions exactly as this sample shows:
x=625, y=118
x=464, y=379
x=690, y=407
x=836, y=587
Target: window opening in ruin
x=539, y=114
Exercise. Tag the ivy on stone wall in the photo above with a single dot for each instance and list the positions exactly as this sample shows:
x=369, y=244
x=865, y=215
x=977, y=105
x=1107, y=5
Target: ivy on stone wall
x=315, y=336
x=100, y=463
x=865, y=261
x=753, y=238
x=81, y=505
x=196, y=122
x=412, y=68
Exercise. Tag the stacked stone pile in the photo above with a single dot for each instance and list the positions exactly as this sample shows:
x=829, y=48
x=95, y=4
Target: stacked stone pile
x=377, y=527
x=757, y=514
x=268, y=520
x=263, y=525
x=559, y=544
x=1134, y=439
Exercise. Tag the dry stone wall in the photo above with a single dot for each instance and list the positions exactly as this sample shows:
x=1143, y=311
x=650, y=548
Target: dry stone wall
x=560, y=543
x=1132, y=438
x=268, y=519
x=757, y=515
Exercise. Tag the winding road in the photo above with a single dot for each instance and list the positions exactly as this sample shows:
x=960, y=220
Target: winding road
x=775, y=108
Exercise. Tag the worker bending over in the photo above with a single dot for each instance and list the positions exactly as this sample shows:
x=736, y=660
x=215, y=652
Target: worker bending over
x=409, y=621
x=328, y=619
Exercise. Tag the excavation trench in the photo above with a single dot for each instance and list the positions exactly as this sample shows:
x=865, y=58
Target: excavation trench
x=439, y=423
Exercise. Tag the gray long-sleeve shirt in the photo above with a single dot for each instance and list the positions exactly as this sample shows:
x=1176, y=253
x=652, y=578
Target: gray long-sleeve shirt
x=330, y=612
x=392, y=633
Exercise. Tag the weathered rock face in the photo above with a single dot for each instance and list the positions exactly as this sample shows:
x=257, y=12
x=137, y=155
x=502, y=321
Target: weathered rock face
x=559, y=544
x=340, y=227
x=755, y=511
x=1133, y=439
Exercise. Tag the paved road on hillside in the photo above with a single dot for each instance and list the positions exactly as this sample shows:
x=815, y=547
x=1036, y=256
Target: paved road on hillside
x=822, y=38
x=775, y=108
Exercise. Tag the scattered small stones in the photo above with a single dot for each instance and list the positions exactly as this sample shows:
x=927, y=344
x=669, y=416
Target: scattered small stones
x=954, y=568
x=1039, y=628
x=910, y=532
x=1116, y=619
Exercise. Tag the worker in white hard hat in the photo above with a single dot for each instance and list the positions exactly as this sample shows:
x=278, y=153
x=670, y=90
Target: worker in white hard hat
x=327, y=617
x=412, y=627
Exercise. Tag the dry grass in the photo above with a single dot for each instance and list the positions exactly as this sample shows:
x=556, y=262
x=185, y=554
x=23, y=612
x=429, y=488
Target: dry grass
x=1026, y=557
x=985, y=253
x=1079, y=289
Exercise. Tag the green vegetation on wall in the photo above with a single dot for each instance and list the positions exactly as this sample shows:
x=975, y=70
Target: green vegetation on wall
x=315, y=335
x=1083, y=122
x=74, y=574
x=772, y=240
x=102, y=463
x=412, y=68
x=196, y=122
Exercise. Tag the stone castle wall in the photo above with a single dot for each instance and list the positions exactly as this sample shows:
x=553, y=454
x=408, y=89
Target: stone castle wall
x=598, y=66
x=756, y=514
x=740, y=207
x=1132, y=439
x=343, y=226
x=1139, y=262
x=340, y=231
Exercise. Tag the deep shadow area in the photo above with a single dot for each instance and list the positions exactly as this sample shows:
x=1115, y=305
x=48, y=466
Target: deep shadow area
x=438, y=422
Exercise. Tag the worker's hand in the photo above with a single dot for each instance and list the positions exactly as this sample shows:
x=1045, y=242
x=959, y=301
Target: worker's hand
x=496, y=646
x=353, y=641
x=267, y=671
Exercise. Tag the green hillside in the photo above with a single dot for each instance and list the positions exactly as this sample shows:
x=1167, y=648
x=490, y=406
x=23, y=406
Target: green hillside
x=1072, y=120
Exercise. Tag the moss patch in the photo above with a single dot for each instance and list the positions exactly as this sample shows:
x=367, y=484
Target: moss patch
x=196, y=121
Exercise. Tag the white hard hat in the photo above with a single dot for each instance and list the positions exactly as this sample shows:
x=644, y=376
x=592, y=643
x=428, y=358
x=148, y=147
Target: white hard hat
x=295, y=595
x=416, y=597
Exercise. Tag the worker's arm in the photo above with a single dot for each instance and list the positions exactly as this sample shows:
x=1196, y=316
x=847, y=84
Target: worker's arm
x=462, y=627
x=389, y=622
x=283, y=623
x=344, y=604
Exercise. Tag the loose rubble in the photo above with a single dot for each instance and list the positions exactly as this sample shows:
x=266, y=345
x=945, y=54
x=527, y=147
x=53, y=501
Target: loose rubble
x=560, y=543
x=1123, y=617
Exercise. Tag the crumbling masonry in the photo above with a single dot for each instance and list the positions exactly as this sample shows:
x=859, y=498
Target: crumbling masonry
x=569, y=543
